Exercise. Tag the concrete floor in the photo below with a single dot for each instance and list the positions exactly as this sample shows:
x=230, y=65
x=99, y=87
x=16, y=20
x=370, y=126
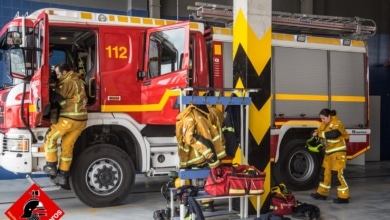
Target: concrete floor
x=369, y=184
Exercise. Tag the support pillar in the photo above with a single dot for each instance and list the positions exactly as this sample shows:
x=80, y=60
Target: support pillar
x=306, y=6
x=154, y=8
x=137, y=8
x=252, y=69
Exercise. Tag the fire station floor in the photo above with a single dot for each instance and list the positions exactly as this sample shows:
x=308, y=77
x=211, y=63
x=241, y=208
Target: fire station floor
x=369, y=185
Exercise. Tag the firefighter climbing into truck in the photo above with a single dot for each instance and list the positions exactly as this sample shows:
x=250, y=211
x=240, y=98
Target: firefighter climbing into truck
x=131, y=65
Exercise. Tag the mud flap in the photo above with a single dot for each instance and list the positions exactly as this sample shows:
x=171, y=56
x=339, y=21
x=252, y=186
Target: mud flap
x=51, y=187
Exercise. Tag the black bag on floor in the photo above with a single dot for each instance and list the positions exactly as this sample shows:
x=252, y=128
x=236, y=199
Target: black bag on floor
x=306, y=211
x=271, y=216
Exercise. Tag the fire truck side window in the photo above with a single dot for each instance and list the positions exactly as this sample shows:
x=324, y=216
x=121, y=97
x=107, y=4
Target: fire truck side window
x=78, y=47
x=36, y=40
x=166, y=48
x=154, y=67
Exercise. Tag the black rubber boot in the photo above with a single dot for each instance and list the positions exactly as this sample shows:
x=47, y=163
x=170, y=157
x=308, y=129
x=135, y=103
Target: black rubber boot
x=208, y=206
x=318, y=196
x=50, y=168
x=62, y=178
x=157, y=215
x=340, y=201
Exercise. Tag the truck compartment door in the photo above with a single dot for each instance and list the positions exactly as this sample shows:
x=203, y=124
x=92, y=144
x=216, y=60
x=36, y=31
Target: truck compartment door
x=299, y=81
x=348, y=87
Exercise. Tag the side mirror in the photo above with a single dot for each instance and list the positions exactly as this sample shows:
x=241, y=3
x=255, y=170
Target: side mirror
x=141, y=75
x=18, y=64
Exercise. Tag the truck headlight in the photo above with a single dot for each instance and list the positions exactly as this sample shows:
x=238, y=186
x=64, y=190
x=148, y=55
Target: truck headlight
x=17, y=145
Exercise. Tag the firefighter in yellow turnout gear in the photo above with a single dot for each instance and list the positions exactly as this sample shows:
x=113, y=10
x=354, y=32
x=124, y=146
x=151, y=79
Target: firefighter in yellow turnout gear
x=73, y=116
x=333, y=135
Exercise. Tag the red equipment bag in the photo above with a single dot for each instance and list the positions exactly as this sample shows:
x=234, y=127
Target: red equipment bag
x=253, y=177
x=217, y=180
x=256, y=185
x=237, y=184
x=282, y=201
x=234, y=181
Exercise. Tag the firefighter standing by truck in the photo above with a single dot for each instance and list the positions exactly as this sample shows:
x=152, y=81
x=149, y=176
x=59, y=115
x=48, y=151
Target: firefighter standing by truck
x=333, y=135
x=71, y=97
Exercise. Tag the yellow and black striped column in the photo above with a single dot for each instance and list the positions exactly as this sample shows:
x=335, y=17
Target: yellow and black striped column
x=252, y=69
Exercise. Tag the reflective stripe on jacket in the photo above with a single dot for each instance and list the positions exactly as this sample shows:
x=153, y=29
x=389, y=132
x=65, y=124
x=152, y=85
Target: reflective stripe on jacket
x=337, y=144
x=74, y=105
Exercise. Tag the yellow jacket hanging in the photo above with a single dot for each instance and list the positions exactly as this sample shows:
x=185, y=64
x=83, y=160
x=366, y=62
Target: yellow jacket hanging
x=199, y=143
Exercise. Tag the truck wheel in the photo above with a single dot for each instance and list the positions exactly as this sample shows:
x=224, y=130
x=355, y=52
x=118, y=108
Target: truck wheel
x=102, y=176
x=297, y=167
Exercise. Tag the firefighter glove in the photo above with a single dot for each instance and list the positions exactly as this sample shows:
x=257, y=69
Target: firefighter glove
x=332, y=134
x=55, y=97
x=314, y=144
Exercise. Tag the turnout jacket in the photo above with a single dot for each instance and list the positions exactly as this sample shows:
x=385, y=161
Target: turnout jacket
x=334, y=135
x=231, y=129
x=216, y=118
x=199, y=143
x=74, y=102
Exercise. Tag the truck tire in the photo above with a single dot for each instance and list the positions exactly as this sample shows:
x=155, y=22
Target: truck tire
x=297, y=167
x=102, y=176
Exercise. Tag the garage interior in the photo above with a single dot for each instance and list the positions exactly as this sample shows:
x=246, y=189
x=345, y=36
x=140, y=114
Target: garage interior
x=368, y=175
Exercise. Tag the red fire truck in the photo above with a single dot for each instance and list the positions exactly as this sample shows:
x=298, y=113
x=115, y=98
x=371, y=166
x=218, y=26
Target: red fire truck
x=317, y=62
x=131, y=65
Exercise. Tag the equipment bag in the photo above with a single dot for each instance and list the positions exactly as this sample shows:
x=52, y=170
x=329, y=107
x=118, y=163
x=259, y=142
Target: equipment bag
x=282, y=200
x=224, y=180
x=217, y=180
x=271, y=216
x=234, y=180
x=306, y=211
x=253, y=178
x=237, y=184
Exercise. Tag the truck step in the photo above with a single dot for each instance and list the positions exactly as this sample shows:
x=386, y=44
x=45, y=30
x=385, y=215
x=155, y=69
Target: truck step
x=161, y=141
x=50, y=187
x=160, y=171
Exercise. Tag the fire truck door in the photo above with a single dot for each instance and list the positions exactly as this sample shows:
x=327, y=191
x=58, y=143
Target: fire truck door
x=165, y=67
x=39, y=84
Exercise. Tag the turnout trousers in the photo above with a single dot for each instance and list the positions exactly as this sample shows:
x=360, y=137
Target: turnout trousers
x=331, y=173
x=68, y=130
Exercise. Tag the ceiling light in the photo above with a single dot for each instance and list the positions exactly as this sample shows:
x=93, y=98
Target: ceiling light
x=347, y=42
x=301, y=38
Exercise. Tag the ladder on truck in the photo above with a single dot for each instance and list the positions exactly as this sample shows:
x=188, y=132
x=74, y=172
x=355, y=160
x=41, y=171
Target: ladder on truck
x=293, y=23
x=215, y=13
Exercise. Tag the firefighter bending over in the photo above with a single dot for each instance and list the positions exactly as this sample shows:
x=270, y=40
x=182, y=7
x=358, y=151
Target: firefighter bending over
x=333, y=135
x=71, y=97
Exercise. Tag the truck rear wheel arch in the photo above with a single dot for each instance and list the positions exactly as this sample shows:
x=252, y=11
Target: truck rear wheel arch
x=297, y=167
x=116, y=135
